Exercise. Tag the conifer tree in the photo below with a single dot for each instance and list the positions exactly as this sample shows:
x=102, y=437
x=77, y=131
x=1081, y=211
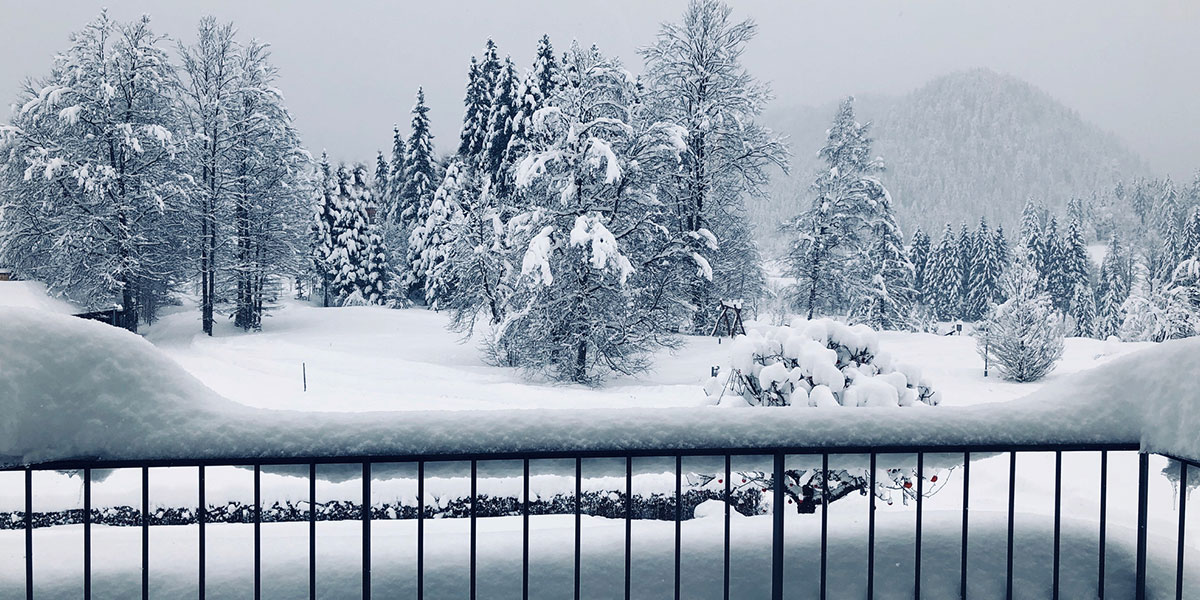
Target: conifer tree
x=420, y=185
x=352, y=236
x=987, y=269
x=324, y=223
x=500, y=126
x=391, y=204
x=943, y=277
x=1083, y=310
x=536, y=88
x=1113, y=289
x=918, y=254
x=477, y=105
x=966, y=266
x=1024, y=338
x=1056, y=274
x=383, y=172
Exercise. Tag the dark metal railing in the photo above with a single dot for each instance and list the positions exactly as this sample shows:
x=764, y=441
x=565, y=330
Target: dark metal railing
x=778, y=456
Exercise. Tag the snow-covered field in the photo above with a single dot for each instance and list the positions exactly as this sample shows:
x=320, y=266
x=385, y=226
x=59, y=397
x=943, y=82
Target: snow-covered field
x=368, y=358
x=374, y=359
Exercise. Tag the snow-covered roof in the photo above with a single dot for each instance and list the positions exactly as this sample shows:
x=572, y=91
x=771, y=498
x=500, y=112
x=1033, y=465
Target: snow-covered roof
x=71, y=388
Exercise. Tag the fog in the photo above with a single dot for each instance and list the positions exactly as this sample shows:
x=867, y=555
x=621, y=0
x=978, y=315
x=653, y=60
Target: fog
x=350, y=71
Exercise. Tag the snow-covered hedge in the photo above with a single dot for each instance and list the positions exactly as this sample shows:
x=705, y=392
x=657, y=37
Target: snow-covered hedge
x=822, y=363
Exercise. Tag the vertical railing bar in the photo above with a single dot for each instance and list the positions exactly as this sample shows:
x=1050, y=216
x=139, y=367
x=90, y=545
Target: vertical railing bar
x=1103, y=521
x=257, y=531
x=628, y=523
x=420, y=530
x=824, y=521
x=87, y=534
x=28, y=533
x=1143, y=497
x=777, y=529
x=871, y=530
x=1012, y=507
x=678, y=518
x=525, y=529
x=312, y=531
x=578, y=523
x=145, y=533
x=201, y=516
x=966, y=510
x=474, y=531
x=366, y=530
x=1057, y=522
x=919, y=524
x=728, y=507
x=1182, y=535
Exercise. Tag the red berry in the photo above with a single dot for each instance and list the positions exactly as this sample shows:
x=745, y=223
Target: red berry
x=789, y=500
x=933, y=479
x=907, y=485
x=720, y=481
x=743, y=481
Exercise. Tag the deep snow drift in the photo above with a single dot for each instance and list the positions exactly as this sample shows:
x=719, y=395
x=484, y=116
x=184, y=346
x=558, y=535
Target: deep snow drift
x=71, y=388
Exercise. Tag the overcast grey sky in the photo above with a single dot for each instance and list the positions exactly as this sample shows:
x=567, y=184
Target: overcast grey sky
x=350, y=68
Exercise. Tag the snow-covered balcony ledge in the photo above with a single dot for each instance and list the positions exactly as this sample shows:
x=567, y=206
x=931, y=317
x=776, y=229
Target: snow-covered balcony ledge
x=75, y=389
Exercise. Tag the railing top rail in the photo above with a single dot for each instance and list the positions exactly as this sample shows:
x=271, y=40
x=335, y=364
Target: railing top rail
x=100, y=463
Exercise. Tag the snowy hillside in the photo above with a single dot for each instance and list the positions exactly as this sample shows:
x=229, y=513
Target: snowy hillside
x=963, y=145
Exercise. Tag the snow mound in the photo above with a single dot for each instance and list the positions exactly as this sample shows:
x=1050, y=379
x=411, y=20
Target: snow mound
x=72, y=388
x=33, y=294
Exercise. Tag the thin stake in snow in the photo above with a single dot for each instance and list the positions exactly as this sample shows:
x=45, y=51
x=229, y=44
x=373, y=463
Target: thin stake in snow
x=304, y=375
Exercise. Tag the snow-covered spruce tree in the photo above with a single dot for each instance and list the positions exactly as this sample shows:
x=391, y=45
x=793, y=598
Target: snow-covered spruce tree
x=390, y=204
x=1083, y=310
x=500, y=127
x=379, y=183
x=539, y=85
x=918, y=255
x=322, y=232
x=987, y=268
x=599, y=262
x=1076, y=270
x=269, y=185
x=943, y=277
x=481, y=84
x=352, y=236
x=1112, y=289
x=966, y=265
x=1024, y=337
x=91, y=175
x=831, y=255
x=436, y=237
x=421, y=180
x=694, y=78
x=885, y=302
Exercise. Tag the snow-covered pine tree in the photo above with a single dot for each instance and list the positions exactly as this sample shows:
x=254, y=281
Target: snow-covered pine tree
x=268, y=181
x=849, y=210
x=1112, y=289
x=352, y=235
x=92, y=198
x=597, y=253
x=886, y=303
x=436, y=237
x=1083, y=310
x=918, y=255
x=379, y=184
x=943, y=277
x=324, y=240
x=1024, y=338
x=538, y=86
x=1191, y=235
x=476, y=104
x=500, y=128
x=420, y=183
x=1056, y=275
x=377, y=270
x=1031, y=226
x=390, y=204
x=966, y=266
x=695, y=78
x=987, y=269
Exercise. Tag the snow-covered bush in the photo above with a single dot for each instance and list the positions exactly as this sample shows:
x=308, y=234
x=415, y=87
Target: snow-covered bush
x=819, y=363
x=1024, y=336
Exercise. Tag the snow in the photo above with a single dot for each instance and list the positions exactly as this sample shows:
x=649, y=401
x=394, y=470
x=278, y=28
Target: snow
x=73, y=388
x=589, y=231
x=537, y=257
x=33, y=294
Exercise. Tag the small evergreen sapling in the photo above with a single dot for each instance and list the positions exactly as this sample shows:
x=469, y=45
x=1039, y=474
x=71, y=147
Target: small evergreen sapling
x=1024, y=336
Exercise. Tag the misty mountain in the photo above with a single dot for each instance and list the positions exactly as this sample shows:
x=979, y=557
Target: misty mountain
x=969, y=144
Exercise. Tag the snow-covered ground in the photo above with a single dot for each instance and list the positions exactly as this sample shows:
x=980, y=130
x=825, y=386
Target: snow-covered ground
x=373, y=359
x=368, y=359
